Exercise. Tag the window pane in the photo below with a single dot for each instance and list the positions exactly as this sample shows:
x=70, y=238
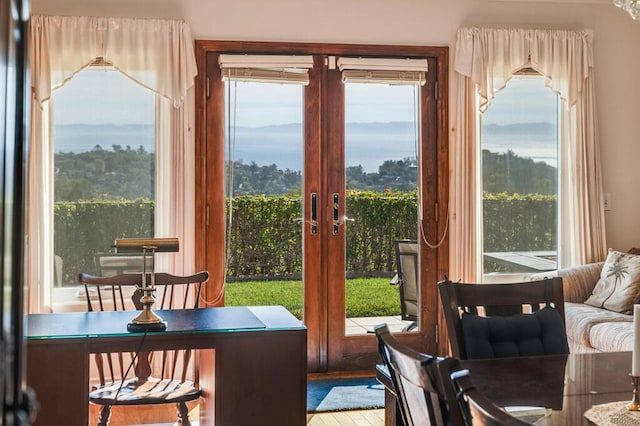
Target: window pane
x=519, y=177
x=381, y=141
x=104, y=166
x=264, y=232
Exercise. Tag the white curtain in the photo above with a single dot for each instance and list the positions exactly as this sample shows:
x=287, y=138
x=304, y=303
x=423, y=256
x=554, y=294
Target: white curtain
x=157, y=54
x=485, y=59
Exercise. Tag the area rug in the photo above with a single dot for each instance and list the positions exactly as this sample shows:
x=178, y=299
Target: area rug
x=344, y=394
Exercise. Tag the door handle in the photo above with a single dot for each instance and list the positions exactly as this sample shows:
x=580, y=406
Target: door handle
x=314, y=213
x=336, y=213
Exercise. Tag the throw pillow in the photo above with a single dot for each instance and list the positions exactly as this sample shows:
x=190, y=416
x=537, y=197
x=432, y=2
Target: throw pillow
x=619, y=285
x=539, y=333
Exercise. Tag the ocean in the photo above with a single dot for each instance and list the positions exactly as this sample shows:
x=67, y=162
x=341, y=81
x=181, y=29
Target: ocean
x=368, y=144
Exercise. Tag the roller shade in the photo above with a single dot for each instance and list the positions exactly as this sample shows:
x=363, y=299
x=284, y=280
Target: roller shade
x=266, y=68
x=383, y=70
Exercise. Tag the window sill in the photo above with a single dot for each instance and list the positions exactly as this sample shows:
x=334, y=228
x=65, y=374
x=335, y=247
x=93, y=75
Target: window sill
x=69, y=299
x=503, y=278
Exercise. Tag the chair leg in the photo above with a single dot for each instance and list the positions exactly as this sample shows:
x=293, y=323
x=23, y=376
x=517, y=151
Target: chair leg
x=105, y=415
x=183, y=414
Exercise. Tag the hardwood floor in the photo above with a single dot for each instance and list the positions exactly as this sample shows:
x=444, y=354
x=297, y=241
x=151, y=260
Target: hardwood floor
x=347, y=418
x=153, y=416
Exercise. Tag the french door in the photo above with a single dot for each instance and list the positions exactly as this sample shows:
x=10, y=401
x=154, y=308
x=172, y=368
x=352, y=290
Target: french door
x=337, y=167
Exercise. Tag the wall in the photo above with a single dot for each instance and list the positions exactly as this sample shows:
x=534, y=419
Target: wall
x=434, y=22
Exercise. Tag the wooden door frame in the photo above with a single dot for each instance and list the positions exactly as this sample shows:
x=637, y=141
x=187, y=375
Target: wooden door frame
x=210, y=221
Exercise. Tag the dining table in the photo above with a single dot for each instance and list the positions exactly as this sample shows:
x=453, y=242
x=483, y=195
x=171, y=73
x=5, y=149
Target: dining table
x=575, y=389
x=549, y=390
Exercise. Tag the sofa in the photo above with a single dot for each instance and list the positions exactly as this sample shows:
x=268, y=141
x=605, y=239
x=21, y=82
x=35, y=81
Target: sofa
x=590, y=328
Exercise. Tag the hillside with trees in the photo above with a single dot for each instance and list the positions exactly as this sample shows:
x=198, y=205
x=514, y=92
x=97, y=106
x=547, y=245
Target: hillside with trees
x=119, y=173
x=127, y=173
x=509, y=173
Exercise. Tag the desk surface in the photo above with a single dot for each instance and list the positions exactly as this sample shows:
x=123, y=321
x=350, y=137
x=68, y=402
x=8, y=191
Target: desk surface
x=81, y=325
x=554, y=390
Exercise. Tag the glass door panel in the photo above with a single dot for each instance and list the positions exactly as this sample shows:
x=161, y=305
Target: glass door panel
x=381, y=206
x=264, y=157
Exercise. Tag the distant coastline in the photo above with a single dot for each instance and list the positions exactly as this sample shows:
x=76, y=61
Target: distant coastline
x=368, y=144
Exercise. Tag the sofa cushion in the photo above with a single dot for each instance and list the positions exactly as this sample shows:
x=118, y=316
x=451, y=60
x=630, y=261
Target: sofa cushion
x=539, y=333
x=619, y=283
x=577, y=281
x=580, y=319
x=612, y=336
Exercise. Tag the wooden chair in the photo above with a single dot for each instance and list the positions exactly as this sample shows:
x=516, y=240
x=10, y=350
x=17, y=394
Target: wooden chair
x=407, y=280
x=419, y=386
x=160, y=377
x=463, y=304
x=475, y=408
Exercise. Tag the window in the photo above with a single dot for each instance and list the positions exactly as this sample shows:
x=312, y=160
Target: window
x=520, y=180
x=104, y=171
x=381, y=159
x=264, y=175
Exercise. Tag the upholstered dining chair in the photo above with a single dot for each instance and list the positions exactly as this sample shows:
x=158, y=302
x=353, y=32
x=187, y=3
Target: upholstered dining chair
x=406, y=279
x=168, y=377
x=504, y=320
x=423, y=390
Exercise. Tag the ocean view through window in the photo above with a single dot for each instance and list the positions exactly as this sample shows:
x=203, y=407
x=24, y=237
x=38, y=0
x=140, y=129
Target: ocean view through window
x=104, y=168
x=520, y=180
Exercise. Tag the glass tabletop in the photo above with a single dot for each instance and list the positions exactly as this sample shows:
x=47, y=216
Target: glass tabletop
x=554, y=390
x=207, y=320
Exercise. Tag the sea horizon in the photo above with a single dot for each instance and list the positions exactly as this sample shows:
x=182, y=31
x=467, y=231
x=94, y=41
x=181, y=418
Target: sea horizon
x=367, y=143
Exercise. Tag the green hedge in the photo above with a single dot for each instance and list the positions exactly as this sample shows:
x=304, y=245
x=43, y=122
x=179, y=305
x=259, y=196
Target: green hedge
x=266, y=235
x=82, y=229
x=519, y=222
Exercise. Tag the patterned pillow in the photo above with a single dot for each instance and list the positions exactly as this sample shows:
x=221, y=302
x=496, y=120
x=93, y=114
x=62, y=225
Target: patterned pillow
x=619, y=285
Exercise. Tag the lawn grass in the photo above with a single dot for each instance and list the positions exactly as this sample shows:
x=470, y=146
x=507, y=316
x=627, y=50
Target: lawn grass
x=365, y=297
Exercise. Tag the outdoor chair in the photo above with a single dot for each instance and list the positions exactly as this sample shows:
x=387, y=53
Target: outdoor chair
x=406, y=279
x=159, y=377
x=109, y=264
x=504, y=320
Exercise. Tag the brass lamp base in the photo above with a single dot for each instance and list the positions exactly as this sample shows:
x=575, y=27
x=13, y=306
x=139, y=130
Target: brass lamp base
x=634, y=404
x=134, y=327
x=146, y=321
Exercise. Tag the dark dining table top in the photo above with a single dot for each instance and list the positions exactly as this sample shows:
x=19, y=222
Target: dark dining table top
x=554, y=389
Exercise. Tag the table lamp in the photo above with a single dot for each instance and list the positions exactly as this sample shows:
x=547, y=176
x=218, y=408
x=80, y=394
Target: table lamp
x=147, y=320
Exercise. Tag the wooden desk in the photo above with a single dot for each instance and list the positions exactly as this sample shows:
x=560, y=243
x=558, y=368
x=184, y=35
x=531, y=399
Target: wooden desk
x=559, y=387
x=252, y=361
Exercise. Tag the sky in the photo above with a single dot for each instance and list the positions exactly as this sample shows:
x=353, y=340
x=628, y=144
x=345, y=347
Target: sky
x=102, y=97
x=507, y=107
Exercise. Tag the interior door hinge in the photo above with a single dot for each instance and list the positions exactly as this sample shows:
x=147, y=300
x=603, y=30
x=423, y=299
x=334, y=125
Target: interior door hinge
x=435, y=212
x=436, y=334
x=208, y=84
x=207, y=216
x=435, y=90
